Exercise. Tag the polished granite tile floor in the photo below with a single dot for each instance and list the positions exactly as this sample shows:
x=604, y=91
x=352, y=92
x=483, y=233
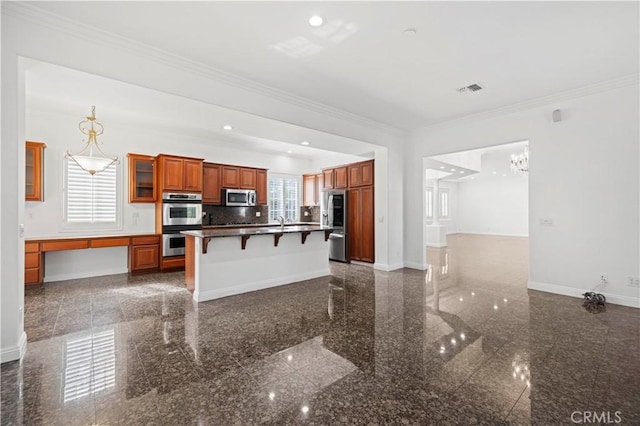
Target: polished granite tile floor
x=462, y=343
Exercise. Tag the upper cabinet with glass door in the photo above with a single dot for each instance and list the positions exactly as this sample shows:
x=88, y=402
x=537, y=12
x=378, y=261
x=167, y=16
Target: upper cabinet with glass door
x=34, y=164
x=142, y=178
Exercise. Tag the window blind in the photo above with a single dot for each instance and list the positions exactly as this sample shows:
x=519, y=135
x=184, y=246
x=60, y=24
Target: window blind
x=91, y=198
x=284, y=198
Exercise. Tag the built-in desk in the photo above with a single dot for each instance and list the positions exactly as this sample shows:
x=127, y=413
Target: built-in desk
x=144, y=252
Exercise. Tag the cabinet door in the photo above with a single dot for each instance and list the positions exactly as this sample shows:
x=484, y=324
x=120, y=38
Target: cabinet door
x=211, y=184
x=355, y=176
x=367, y=234
x=353, y=224
x=261, y=187
x=34, y=153
x=192, y=175
x=142, y=178
x=230, y=177
x=247, y=178
x=340, y=175
x=366, y=173
x=318, y=191
x=327, y=179
x=172, y=174
x=308, y=190
x=145, y=257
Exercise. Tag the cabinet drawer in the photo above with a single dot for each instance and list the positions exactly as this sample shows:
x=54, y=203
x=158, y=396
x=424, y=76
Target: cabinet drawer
x=65, y=245
x=110, y=242
x=32, y=276
x=31, y=247
x=143, y=241
x=32, y=260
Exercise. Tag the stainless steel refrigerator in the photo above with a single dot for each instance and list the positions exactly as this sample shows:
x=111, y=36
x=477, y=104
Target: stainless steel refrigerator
x=334, y=213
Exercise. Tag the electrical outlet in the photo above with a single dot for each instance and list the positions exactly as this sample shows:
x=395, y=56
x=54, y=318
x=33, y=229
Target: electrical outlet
x=257, y=214
x=633, y=281
x=306, y=214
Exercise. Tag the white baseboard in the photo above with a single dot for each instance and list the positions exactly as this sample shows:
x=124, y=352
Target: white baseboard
x=615, y=299
x=416, y=265
x=257, y=285
x=493, y=234
x=14, y=353
x=387, y=268
x=87, y=274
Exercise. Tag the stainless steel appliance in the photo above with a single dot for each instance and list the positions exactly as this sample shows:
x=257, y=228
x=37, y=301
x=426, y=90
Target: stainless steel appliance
x=180, y=212
x=334, y=213
x=238, y=197
x=173, y=244
x=181, y=209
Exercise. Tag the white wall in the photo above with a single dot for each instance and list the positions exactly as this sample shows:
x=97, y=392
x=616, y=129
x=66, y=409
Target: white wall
x=494, y=204
x=60, y=133
x=29, y=33
x=583, y=175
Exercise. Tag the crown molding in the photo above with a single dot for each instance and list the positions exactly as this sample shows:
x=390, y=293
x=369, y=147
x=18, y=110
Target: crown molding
x=604, y=86
x=40, y=17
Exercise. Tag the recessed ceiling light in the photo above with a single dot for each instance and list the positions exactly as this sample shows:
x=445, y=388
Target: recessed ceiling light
x=441, y=167
x=453, y=170
x=304, y=143
x=461, y=171
x=227, y=127
x=289, y=152
x=316, y=20
x=410, y=32
x=494, y=173
x=504, y=175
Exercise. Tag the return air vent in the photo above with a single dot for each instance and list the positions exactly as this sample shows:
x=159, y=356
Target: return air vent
x=470, y=88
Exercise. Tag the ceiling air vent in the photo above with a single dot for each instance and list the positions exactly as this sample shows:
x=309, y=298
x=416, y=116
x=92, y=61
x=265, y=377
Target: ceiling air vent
x=470, y=88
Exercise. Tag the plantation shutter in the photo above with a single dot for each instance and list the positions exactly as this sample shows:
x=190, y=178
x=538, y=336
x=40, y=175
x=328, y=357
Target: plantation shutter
x=91, y=198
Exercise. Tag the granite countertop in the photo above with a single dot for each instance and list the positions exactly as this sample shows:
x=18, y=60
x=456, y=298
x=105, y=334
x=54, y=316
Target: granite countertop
x=255, y=230
x=258, y=225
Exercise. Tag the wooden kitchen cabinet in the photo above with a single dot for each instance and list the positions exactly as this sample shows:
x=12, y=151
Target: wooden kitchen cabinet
x=142, y=178
x=33, y=263
x=327, y=179
x=34, y=165
x=192, y=175
x=179, y=174
x=311, y=189
x=247, y=178
x=360, y=174
x=261, y=187
x=144, y=254
x=340, y=176
x=211, y=183
x=231, y=177
x=360, y=222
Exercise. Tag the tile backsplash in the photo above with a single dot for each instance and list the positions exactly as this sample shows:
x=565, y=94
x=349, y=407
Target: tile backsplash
x=313, y=214
x=224, y=215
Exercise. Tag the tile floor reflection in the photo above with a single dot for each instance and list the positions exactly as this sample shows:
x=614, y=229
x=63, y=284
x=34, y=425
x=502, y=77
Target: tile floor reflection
x=461, y=343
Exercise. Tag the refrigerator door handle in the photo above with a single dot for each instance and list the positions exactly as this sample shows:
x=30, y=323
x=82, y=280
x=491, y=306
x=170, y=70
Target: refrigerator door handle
x=330, y=209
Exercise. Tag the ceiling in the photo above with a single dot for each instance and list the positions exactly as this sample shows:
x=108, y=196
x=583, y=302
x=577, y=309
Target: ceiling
x=361, y=61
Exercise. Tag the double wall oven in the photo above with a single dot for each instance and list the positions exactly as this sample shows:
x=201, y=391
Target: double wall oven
x=180, y=212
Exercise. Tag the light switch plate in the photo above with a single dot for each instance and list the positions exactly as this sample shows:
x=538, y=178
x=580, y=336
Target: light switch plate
x=257, y=214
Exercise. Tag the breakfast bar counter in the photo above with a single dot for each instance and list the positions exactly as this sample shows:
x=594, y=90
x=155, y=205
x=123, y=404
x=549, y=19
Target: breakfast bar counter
x=222, y=262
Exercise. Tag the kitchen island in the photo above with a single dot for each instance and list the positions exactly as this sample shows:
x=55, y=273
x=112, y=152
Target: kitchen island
x=223, y=262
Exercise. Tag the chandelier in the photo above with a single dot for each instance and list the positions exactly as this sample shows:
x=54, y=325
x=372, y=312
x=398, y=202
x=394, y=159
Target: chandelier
x=520, y=162
x=91, y=158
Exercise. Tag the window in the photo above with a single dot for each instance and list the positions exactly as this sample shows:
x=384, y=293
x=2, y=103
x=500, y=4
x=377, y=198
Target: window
x=444, y=203
x=284, y=197
x=429, y=204
x=443, y=207
x=91, y=200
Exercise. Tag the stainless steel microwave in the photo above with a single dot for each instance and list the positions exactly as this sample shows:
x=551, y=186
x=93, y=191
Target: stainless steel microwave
x=238, y=197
